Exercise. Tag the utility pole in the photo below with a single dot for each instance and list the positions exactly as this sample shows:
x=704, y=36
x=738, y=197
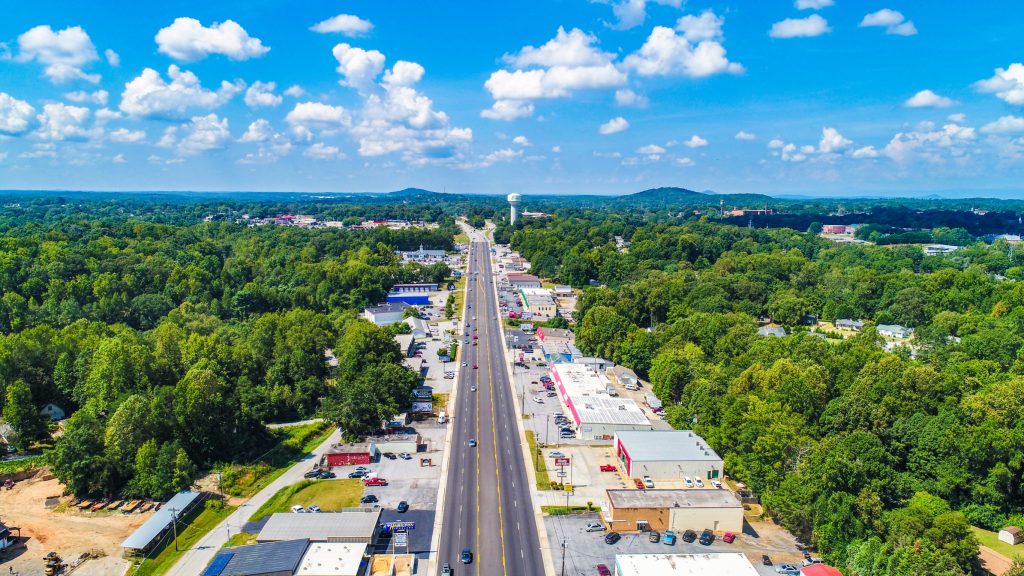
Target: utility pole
x=174, y=526
x=563, y=556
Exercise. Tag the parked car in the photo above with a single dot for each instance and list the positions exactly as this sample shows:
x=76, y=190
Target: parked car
x=787, y=569
x=466, y=557
x=699, y=482
x=608, y=468
x=603, y=570
x=298, y=509
x=707, y=537
x=654, y=536
x=538, y=399
x=389, y=455
x=356, y=474
x=552, y=394
x=368, y=499
x=314, y=508
x=403, y=506
x=595, y=527
x=314, y=473
x=688, y=482
x=808, y=561
x=689, y=536
x=669, y=538
x=327, y=475
x=766, y=560
x=362, y=469
x=648, y=482
x=374, y=482
x=728, y=537
x=405, y=456
x=612, y=538
x=716, y=484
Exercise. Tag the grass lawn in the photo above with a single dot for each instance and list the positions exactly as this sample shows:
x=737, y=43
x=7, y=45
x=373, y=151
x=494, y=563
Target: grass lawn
x=212, y=514
x=294, y=443
x=563, y=511
x=460, y=295
x=327, y=494
x=461, y=238
x=15, y=466
x=543, y=480
x=991, y=540
x=240, y=539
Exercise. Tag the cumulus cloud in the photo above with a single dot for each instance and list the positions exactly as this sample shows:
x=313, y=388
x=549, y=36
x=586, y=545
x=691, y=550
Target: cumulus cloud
x=928, y=99
x=188, y=40
x=1004, y=125
x=271, y=145
x=925, y=141
x=63, y=53
x=150, y=96
x=262, y=94
x=556, y=149
x=695, y=141
x=127, y=136
x=893, y=21
x=813, y=25
x=259, y=130
x=1007, y=84
x=521, y=140
x=832, y=141
x=626, y=97
x=58, y=121
x=650, y=149
x=613, y=126
x=98, y=97
x=321, y=151
x=359, y=68
x=346, y=24
x=508, y=110
x=113, y=58
x=744, y=135
x=118, y=159
x=308, y=119
x=572, y=48
x=684, y=161
x=813, y=4
x=201, y=134
x=632, y=13
x=694, y=49
x=865, y=152
x=295, y=91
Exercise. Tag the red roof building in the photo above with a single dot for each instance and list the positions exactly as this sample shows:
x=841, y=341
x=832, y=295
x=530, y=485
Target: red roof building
x=819, y=570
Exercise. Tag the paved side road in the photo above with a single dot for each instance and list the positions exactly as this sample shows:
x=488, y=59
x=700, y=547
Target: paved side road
x=194, y=561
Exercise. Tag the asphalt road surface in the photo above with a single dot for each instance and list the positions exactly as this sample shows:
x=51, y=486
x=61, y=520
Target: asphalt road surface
x=487, y=507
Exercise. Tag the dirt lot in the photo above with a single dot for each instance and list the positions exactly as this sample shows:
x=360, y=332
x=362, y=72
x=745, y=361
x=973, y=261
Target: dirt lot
x=69, y=533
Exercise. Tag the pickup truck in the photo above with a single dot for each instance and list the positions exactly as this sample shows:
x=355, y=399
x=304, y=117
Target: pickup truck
x=374, y=482
x=608, y=468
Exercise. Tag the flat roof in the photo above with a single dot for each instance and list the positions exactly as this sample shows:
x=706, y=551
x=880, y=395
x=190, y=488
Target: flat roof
x=662, y=445
x=731, y=563
x=387, y=307
x=144, y=535
x=322, y=526
x=254, y=559
x=692, y=498
x=332, y=559
x=585, y=392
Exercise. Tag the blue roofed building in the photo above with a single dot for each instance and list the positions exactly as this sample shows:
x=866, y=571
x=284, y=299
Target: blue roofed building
x=266, y=559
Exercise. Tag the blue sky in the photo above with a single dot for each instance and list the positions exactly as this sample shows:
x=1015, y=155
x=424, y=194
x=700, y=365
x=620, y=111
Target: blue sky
x=825, y=97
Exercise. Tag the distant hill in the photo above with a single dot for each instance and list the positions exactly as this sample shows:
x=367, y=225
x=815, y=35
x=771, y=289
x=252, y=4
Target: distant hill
x=667, y=197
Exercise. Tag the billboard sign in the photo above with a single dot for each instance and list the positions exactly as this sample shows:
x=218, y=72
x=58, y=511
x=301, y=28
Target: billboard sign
x=422, y=407
x=399, y=526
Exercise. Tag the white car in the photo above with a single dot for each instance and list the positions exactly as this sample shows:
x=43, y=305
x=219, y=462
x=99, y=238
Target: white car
x=472, y=388
x=464, y=364
x=648, y=482
x=700, y=483
x=298, y=509
x=538, y=399
x=688, y=482
x=716, y=484
x=595, y=527
x=314, y=508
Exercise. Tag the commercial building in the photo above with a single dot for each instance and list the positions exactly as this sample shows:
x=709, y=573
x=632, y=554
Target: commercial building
x=348, y=454
x=268, y=559
x=420, y=328
x=423, y=256
x=539, y=303
x=149, y=533
x=356, y=525
x=386, y=314
x=819, y=570
x=939, y=249
x=598, y=416
x=333, y=559
x=679, y=510
x=395, y=443
x=836, y=229
x=623, y=377
x=524, y=281
x=666, y=455
x=720, y=564
x=413, y=294
x=406, y=343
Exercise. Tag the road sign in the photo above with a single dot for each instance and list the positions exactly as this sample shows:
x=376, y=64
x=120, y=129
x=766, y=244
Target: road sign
x=562, y=461
x=567, y=487
x=399, y=526
x=401, y=539
x=562, y=474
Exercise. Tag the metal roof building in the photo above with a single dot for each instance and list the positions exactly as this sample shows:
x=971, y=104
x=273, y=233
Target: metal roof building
x=733, y=564
x=267, y=559
x=598, y=416
x=357, y=525
x=333, y=559
x=144, y=537
x=666, y=455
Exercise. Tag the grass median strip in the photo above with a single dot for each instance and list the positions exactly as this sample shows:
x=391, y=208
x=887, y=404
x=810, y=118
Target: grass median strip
x=543, y=480
x=565, y=511
x=329, y=495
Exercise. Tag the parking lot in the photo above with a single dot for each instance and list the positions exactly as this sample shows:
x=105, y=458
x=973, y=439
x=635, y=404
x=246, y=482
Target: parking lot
x=585, y=550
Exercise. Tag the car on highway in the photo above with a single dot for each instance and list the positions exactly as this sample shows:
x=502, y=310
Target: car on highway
x=602, y=570
x=464, y=364
x=472, y=442
x=402, y=507
x=474, y=367
x=466, y=557
x=472, y=388
x=595, y=527
x=608, y=468
x=374, y=482
x=728, y=537
x=689, y=536
x=669, y=538
x=707, y=537
x=446, y=568
x=648, y=482
x=612, y=538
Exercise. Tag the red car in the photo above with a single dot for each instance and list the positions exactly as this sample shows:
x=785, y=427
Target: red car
x=474, y=336
x=374, y=482
x=608, y=468
x=474, y=366
x=603, y=570
x=728, y=538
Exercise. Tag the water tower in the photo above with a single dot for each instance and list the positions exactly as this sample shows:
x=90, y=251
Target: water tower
x=513, y=201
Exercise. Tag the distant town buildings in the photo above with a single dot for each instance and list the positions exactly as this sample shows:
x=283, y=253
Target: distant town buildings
x=386, y=314
x=939, y=249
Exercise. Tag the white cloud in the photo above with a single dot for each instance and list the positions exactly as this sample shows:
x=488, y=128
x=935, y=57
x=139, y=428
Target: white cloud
x=695, y=141
x=613, y=126
x=928, y=99
x=262, y=94
x=832, y=141
x=958, y=118
x=572, y=48
x=865, y=152
x=259, y=131
x=521, y=140
x=1007, y=84
x=41, y=150
x=99, y=97
x=307, y=119
x=321, y=151
x=295, y=91
x=744, y=135
x=556, y=149
x=706, y=26
x=118, y=159
x=813, y=25
x=1005, y=125
x=63, y=53
x=813, y=4
x=16, y=116
x=684, y=161
x=632, y=13
x=507, y=110
x=271, y=144
x=149, y=95
x=558, y=82
x=650, y=149
x=346, y=24
x=666, y=53
x=626, y=97
x=3, y=156
x=113, y=58
x=775, y=143
x=503, y=155
x=59, y=121
x=126, y=135
x=359, y=68
x=893, y=21
x=925, y=141
x=203, y=133
x=188, y=40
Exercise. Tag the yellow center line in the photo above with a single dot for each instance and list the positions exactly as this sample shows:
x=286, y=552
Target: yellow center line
x=477, y=361
x=497, y=456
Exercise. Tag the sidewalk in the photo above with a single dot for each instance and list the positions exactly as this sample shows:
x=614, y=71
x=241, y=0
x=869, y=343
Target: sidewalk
x=194, y=561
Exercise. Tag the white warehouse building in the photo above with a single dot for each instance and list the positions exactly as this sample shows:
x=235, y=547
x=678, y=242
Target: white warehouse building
x=666, y=455
x=598, y=416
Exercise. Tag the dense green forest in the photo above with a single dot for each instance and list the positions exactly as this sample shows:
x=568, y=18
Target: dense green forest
x=172, y=340
x=882, y=460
